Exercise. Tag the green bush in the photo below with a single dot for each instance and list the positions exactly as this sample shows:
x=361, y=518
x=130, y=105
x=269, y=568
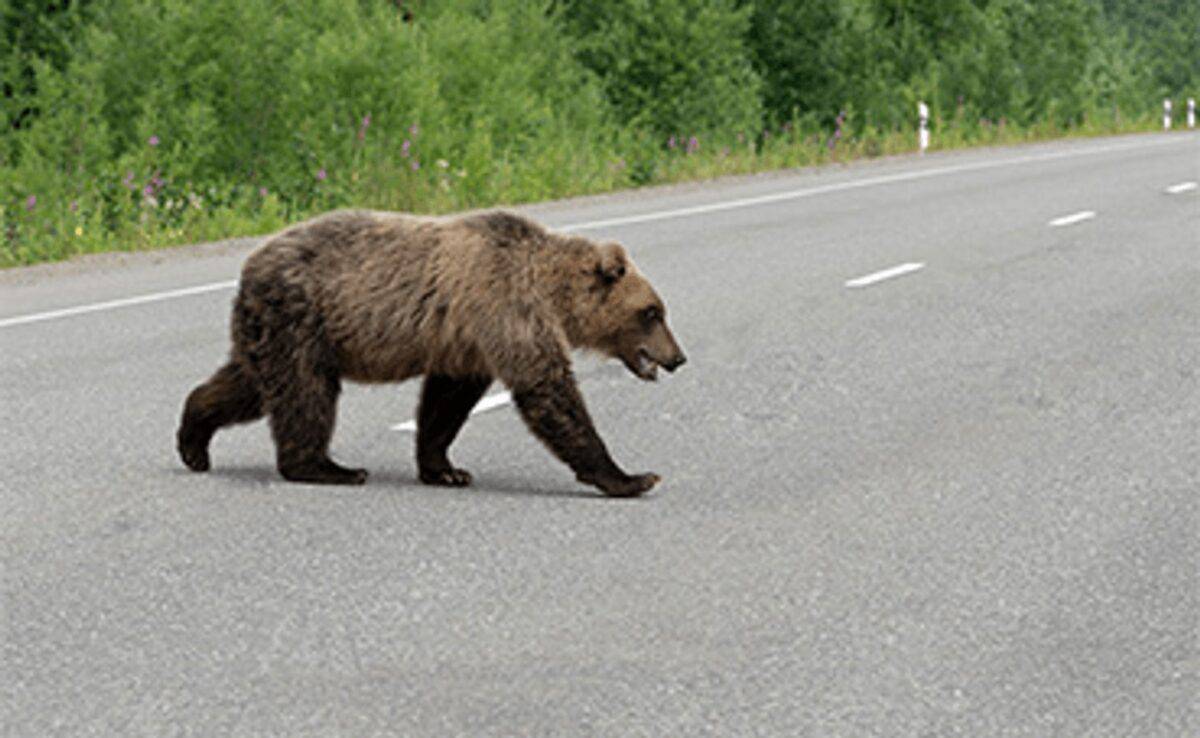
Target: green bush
x=173, y=112
x=32, y=32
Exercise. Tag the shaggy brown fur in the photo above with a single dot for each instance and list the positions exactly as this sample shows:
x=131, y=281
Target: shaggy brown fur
x=382, y=297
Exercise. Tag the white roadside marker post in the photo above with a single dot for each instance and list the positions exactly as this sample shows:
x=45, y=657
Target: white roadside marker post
x=923, y=128
x=1191, y=112
x=1166, y=115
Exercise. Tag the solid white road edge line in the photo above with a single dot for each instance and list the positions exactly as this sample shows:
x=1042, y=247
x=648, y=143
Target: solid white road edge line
x=838, y=187
x=1182, y=187
x=491, y=402
x=643, y=218
x=876, y=277
x=1072, y=219
x=123, y=302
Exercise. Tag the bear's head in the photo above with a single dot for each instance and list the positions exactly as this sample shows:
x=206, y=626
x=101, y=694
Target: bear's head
x=628, y=320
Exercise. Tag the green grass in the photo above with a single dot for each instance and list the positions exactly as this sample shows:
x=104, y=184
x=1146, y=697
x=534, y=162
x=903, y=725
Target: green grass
x=162, y=221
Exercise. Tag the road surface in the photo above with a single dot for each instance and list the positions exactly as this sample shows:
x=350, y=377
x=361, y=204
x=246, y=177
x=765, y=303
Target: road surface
x=933, y=469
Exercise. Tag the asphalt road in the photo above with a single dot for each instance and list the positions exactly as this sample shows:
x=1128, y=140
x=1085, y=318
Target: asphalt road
x=962, y=500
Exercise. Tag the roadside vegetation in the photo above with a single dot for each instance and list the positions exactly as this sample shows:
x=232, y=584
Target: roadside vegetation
x=130, y=124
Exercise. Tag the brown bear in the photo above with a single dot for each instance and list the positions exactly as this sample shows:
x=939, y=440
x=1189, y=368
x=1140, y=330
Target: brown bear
x=382, y=297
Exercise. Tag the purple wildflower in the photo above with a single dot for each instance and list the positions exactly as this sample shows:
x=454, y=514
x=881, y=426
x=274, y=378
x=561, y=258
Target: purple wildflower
x=31, y=202
x=321, y=174
x=148, y=191
x=416, y=165
x=404, y=147
x=153, y=141
x=362, y=130
x=262, y=191
x=837, y=135
x=671, y=142
x=74, y=206
x=128, y=180
x=693, y=145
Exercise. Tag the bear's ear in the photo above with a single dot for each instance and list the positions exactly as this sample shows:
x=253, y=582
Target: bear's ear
x=612, y=262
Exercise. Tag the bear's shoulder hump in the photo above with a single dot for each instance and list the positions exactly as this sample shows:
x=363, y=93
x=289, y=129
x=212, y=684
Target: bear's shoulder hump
x=505, y=229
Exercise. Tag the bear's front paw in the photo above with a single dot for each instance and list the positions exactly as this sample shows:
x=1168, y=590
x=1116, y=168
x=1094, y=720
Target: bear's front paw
x=629, y=486
x=194, y=456
x=446, y=477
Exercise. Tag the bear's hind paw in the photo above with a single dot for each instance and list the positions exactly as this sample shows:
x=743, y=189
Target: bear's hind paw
x=323, y=471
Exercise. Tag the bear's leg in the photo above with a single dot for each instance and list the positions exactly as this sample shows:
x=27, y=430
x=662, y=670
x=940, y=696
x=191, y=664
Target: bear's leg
x=554, y=410
x=445, y=404
x=229, y=397
x=302, y=421
x=301, y=383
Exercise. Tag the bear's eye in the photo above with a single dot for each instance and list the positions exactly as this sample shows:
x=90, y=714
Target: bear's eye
x=651, y=314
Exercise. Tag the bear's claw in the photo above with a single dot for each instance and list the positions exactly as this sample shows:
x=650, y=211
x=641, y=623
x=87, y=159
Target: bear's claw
x=446, y=477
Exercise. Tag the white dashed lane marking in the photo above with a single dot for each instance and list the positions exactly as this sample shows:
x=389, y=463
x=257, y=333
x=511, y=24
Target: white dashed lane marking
x=1072, y=219
x=1181, y=188
x=876, y=277
x=491, y=402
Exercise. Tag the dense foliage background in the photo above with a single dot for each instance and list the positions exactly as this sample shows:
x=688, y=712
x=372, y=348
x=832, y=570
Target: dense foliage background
x=131, y=123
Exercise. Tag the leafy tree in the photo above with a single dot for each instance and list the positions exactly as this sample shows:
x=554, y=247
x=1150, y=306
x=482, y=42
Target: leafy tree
x=672, y=66
x=1166, y=37
x=32, y=32
x=797, y=51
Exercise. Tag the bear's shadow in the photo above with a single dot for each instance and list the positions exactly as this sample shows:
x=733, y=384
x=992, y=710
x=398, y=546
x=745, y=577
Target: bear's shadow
x=492, y=486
